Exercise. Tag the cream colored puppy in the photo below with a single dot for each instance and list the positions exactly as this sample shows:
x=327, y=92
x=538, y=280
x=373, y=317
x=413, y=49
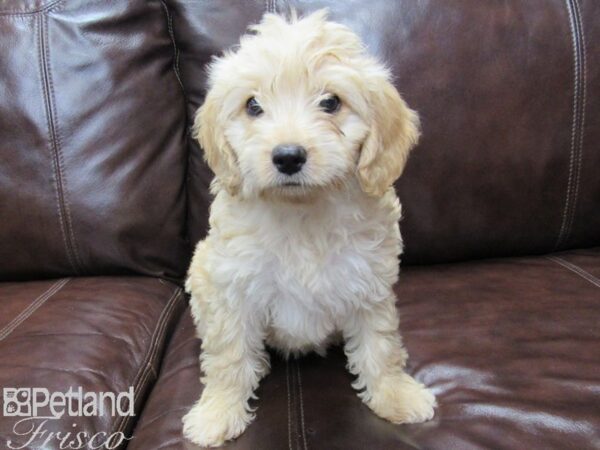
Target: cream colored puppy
x=305, y=134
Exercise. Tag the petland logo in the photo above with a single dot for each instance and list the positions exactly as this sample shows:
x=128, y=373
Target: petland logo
x=36, y=407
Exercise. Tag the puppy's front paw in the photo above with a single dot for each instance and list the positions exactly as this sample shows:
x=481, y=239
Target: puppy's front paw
x=210, y=424
x=402, y=399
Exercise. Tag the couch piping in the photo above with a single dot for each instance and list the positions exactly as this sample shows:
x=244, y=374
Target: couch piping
x=575, y=269
x=32, y=307
x=62, y=203
x=583, y=60
x=579, y=101
x=45, y=8
x=175, y=48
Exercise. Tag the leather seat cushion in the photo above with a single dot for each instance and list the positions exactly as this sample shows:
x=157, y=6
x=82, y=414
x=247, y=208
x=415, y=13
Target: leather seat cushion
x=103, y=334
x=510, y=348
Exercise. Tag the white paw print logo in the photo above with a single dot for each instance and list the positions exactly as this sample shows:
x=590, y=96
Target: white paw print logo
x=17, y=402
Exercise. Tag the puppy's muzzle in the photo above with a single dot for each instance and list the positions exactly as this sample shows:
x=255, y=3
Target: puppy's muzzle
x=289, y=158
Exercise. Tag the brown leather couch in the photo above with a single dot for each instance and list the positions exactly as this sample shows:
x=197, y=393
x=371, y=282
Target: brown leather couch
x=103, y=194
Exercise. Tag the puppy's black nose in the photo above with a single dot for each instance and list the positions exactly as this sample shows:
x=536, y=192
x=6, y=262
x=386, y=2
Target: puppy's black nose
x=289, y=158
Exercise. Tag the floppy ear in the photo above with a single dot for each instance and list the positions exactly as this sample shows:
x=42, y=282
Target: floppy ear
x=217, y=152
x=394, y=131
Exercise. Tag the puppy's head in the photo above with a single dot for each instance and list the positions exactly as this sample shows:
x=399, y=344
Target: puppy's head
x=299, y=106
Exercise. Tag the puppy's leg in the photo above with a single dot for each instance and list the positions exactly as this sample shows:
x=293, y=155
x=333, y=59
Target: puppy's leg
x=233, y=360
x=377, y=357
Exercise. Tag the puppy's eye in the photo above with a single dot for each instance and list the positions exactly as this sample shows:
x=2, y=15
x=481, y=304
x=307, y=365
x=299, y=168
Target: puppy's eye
x=253, y=108
x=330, y=104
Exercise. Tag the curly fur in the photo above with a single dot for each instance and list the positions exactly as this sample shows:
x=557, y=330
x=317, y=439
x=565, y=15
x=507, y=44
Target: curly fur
x=293, y=266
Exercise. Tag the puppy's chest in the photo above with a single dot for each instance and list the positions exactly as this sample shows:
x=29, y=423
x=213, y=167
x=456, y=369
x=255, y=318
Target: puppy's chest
x=307, y=271
x=321, y=269
x=318, y=272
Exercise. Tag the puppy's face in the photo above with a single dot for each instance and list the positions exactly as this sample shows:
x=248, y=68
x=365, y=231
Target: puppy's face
x=300, y=107
x=294, y=131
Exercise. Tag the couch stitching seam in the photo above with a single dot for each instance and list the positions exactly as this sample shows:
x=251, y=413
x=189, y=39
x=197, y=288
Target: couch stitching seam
x=46, y=8
x=146, y=366
x=49, y=125
x=56, y=152
x=583, y=75
x=175, y=48
x=295, y=406
x=575, y=269
x=576, y=129
x=32, y=307
x=564, y=220
x=301, y=405
x=59, y=151
x=177, y=70
x=289, y=413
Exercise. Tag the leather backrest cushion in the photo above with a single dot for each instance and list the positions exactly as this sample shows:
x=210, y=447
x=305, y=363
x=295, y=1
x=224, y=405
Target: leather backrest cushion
x=508, y=93
x=202, y=30
x=92, y=140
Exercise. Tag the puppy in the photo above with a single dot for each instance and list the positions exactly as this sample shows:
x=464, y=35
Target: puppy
x=305, y=134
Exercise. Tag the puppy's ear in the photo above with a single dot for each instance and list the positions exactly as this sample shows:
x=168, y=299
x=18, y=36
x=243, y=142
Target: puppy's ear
x=217, y=152
x=394, y=132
